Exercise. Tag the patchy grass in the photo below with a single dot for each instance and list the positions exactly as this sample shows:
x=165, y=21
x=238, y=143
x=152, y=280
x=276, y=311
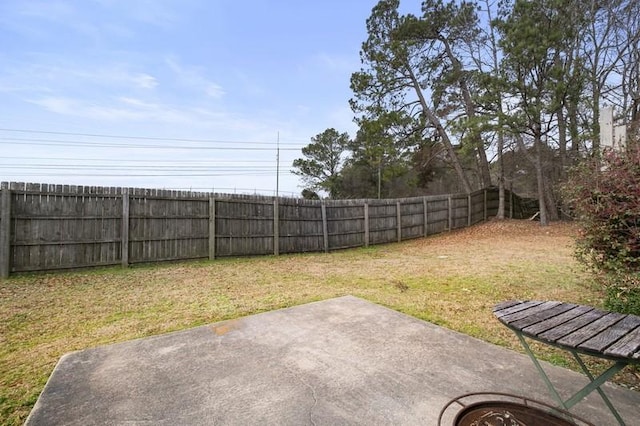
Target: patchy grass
x=451, y=279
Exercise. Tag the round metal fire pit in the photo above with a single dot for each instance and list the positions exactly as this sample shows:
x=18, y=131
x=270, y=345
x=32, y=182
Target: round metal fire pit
x=498, y=409
x=500, y=413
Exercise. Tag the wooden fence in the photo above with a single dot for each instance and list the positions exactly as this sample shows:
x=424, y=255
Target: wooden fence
x=49, y=227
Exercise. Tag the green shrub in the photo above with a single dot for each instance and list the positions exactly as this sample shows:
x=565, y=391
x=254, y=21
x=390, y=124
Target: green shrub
x=625, y=301
x=605, y=199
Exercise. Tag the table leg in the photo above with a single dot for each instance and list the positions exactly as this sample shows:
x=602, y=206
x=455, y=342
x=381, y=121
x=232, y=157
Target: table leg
x=595, y=385
x=594, y=382
x=543, y=374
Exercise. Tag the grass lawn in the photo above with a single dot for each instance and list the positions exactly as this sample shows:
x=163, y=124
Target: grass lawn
x=451, y=279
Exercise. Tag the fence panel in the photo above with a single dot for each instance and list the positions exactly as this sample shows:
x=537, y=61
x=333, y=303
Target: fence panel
x=459, y=211
x=244, y=227
x=438, y=215
x=300, y=226
x=48, y=227
x=167, y=228
x=412, y=218
x=478, y=209
x=383, y=222
x=63, y=229
x=493, y=201
x=345, y=224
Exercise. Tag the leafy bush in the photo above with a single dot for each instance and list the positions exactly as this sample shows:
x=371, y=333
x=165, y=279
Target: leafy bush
x=623, y=300
x=605, y=198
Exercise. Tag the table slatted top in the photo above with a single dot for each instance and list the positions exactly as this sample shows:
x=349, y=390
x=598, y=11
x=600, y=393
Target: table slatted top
x=576, y=327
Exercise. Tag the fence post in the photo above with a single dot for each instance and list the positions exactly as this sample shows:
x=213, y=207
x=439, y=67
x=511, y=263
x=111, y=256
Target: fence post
x=325, y=227
x=450, y=207
x=426, y=215
x=212, y=228
x=399, y=221
x=276, y=227
x=468, y=210
x=510, y=204
x=366, y=224
x=5, y=232
x=124, y=233
x=484, y=215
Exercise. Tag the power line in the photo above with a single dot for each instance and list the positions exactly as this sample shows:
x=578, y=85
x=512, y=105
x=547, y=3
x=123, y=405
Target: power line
x=148, y=174
x=126, y=160
x=195, y=166
x=137, y=167
x=150, y=138
x=151, y=169
x=48, y=142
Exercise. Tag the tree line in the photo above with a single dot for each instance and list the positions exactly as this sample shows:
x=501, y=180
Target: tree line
x=472, y=94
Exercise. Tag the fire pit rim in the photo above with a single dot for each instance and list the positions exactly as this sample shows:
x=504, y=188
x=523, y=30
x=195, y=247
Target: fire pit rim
x=505, y=398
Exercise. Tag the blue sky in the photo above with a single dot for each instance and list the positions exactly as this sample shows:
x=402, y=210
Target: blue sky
x=220, y=71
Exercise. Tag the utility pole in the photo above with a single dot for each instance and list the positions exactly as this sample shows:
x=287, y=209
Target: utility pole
x=278, y=166
x=379, y=178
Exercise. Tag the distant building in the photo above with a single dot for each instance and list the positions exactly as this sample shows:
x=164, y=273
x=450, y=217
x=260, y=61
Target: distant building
x=611, y=135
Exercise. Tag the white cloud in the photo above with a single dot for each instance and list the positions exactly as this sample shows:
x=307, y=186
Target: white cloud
x=54, y=11
x=131, y=110
x=145, y=81
x=214, y=91
x=97, y=21
x=25, y=18
x=160, y=13
x=335, y=62
x=58, y=105
x=138, y=103
x=50, y=75
x=193, y=78
x=121, y=109
x=63, y=14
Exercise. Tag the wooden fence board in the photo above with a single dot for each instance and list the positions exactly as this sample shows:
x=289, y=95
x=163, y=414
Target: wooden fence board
x=459, y=211
x=168, y=229
x=301, y=226
x=383, y=222
x=412, y=219
x=345, y=224
x=244, y=228
x=48, y=227
x=62, y=230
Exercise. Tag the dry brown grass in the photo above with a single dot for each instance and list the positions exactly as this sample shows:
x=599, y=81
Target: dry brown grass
x=451, y=279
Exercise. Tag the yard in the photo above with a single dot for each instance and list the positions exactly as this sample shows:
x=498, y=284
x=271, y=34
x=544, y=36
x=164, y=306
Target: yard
x=451, y=279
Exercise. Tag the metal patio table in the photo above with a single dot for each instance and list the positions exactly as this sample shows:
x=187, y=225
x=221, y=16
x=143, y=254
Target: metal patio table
x=581, y=330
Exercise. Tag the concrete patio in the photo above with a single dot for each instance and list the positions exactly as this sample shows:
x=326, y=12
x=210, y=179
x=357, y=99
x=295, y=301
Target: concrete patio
x=341, y=361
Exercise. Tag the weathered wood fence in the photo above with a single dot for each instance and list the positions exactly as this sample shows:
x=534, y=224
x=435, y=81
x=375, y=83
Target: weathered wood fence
x=47, y=227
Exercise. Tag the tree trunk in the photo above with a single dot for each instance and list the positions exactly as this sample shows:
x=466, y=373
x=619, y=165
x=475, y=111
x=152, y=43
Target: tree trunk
x=536, y=161
x=470, y=109
x=572, y=111
x=562, y=141
x=435, y=122
x=550, y=199
x=595, y=98
x=500, y=213
x=544, y=220
x=485, y=172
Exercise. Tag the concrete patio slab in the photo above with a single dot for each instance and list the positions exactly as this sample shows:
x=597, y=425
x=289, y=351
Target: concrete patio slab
x=342, y=361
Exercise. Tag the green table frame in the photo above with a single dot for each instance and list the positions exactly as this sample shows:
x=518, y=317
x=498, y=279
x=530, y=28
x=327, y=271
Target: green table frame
x=594, y=382
x=560, y=325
